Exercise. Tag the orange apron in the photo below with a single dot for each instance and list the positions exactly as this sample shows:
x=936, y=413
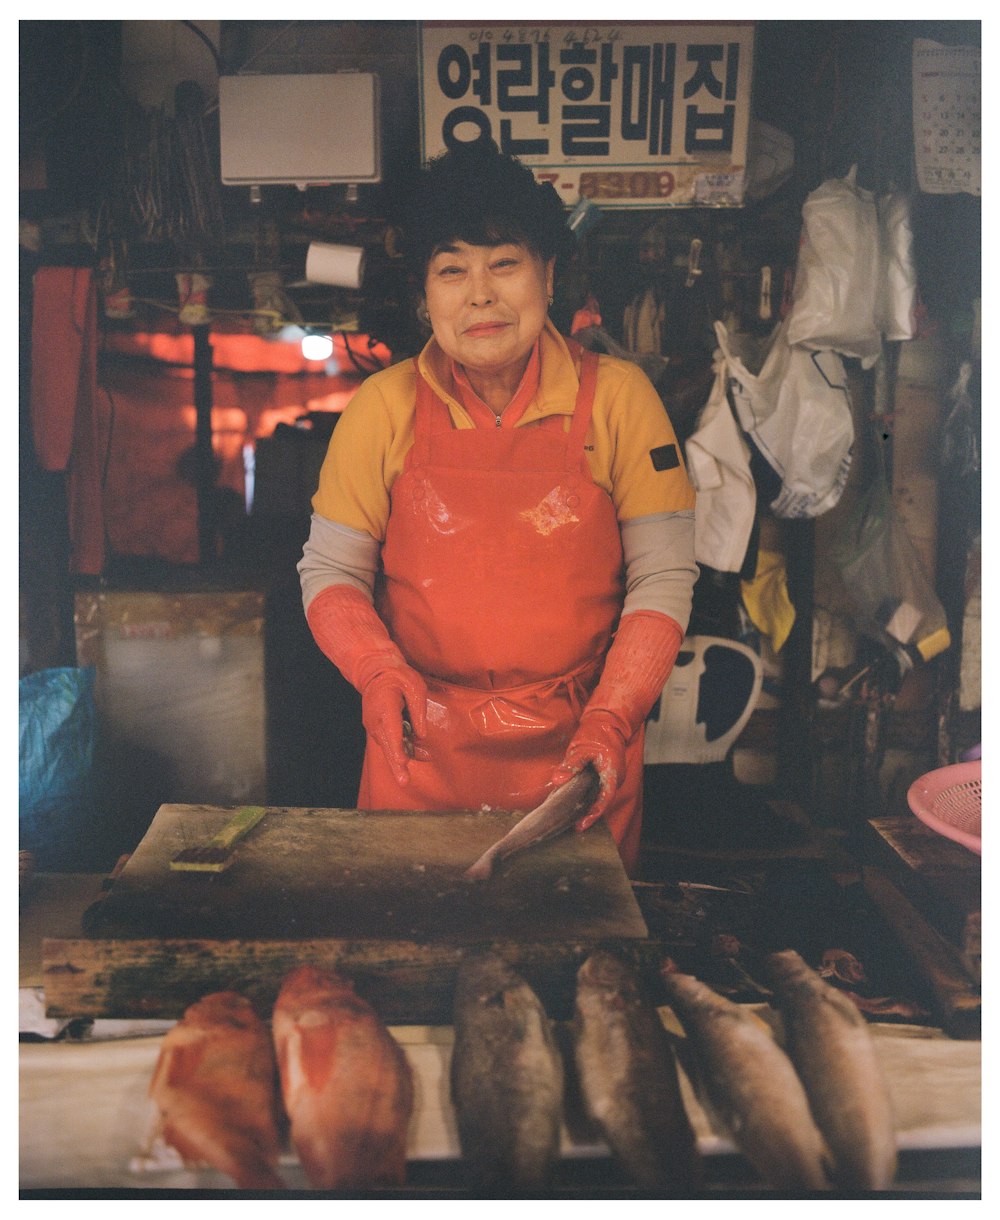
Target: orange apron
x=503, y=582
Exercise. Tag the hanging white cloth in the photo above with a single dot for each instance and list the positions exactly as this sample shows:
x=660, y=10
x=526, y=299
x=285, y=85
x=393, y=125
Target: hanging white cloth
x=718, y=461
x=797, y=412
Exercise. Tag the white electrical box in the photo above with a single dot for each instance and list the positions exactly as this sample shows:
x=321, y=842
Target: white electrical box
x=303, y=129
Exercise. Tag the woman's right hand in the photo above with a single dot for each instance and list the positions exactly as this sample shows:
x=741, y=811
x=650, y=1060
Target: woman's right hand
x=394, y=713
x=348, y=630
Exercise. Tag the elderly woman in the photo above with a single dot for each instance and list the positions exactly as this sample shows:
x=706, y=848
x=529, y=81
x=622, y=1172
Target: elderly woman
x=501, y=556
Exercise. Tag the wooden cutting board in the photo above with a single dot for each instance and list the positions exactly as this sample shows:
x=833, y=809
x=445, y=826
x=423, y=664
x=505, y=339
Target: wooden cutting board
x=355, y=874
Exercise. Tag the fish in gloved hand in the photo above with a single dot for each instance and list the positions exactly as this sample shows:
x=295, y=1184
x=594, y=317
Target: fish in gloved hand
x=215, y=1084
x=832, y=1048
x=346, y=1084
x=628, y=1077
x=506, y=1078
x=751, y=1085
x=557, y=813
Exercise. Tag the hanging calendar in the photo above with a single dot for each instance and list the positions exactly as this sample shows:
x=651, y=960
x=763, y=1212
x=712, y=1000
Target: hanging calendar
x=947, y=118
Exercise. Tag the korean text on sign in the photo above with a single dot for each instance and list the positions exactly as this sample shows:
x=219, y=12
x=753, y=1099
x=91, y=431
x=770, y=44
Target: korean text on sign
x=593, y=100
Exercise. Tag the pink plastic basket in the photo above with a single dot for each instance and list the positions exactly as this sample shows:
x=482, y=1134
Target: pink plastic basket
x=949, y=800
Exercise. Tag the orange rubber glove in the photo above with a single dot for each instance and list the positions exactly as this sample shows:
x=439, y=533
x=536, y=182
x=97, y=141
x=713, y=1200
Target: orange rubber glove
x=636, y=670
x=350, y=633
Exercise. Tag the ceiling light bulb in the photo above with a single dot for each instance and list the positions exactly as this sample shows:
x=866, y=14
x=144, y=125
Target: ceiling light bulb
x=317, y=347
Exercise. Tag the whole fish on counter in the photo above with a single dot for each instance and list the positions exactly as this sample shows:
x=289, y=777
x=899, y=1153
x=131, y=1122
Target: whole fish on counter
x=628, y=1077
x=831, y=1046
x=506, y=1078
x=215, y=1084
x=751, y=1085
x=346, y=1084
x=560, y=809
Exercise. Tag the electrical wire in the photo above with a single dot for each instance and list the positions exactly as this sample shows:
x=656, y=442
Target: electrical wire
x=352, y=355
x=172, y=307
x=278, y=318
x=266, y=47
x=207, y=41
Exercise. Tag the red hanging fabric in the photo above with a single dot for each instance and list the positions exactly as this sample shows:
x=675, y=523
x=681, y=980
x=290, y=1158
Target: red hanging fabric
x=64, y=411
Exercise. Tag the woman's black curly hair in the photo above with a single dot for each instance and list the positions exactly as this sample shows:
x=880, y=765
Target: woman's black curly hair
x=477, y=194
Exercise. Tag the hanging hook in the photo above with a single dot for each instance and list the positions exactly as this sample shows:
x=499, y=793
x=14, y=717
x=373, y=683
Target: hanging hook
x=694, y=257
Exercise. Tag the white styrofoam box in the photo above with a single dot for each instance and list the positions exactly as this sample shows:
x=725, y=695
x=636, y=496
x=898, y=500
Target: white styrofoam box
x=180, y=683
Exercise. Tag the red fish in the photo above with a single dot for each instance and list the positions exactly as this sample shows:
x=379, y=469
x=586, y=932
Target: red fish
x=346, y=1084
x=215, y=1084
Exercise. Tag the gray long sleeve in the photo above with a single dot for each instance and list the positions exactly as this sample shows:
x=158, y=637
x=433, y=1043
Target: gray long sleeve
x=660, y=568
x=337, y=555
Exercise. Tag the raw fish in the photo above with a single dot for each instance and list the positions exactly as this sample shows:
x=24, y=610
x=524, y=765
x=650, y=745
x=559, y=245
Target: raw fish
x=560, y=809
x=346, y=1084
x=832, y=1048
x=506, y=1078
x=216, y=1087
x=751, y=1085
x=628, y=1077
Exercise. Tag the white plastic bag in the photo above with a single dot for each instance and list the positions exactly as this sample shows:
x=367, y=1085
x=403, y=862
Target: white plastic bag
x=797, y=412
x=892, y=594
x=718, y=462
x=897, y=299
x=835, y=292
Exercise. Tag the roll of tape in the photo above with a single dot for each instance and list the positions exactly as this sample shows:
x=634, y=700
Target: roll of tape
x=342, y=266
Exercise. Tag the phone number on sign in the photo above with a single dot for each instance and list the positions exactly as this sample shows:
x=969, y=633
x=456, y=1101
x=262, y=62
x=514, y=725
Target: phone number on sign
x=620, y=184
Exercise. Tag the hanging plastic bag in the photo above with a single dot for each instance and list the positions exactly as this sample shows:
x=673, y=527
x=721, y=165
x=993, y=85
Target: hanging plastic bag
x=718, y=462
x=897, y=289
x=797, y=413
x=835, y=291
x=56, y=737
x=885, y=579
x=960, y=442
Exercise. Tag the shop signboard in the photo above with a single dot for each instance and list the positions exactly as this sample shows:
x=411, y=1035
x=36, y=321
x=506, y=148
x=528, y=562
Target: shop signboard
x=627, y=114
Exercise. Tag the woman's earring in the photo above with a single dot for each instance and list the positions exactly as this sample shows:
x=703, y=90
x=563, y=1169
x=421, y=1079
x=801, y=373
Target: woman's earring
x=551, y=299
x=422, y=315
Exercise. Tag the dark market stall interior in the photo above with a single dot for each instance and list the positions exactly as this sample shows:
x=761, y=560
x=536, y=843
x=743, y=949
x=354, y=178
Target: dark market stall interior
x=211, y=243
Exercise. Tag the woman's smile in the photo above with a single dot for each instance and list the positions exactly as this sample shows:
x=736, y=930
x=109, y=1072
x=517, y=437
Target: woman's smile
x=478, y=329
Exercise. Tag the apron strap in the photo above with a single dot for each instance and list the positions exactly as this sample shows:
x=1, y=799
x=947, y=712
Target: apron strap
x=582, y=411
x=430, y=415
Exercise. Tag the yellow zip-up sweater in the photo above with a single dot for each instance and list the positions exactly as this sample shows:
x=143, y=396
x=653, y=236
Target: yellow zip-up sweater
x=631, y=446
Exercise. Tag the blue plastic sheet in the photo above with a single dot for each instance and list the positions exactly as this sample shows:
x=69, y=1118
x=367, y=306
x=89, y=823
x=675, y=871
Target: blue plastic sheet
x=56, y=736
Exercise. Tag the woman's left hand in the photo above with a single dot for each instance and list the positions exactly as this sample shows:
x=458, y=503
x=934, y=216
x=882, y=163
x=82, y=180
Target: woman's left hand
x=597, y=740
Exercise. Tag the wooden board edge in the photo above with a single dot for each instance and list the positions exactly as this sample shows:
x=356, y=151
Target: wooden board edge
x=957, y=996
x=408, y=983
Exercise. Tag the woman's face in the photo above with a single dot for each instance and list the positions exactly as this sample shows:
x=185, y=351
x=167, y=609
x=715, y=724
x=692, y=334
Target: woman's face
x=487, y=304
